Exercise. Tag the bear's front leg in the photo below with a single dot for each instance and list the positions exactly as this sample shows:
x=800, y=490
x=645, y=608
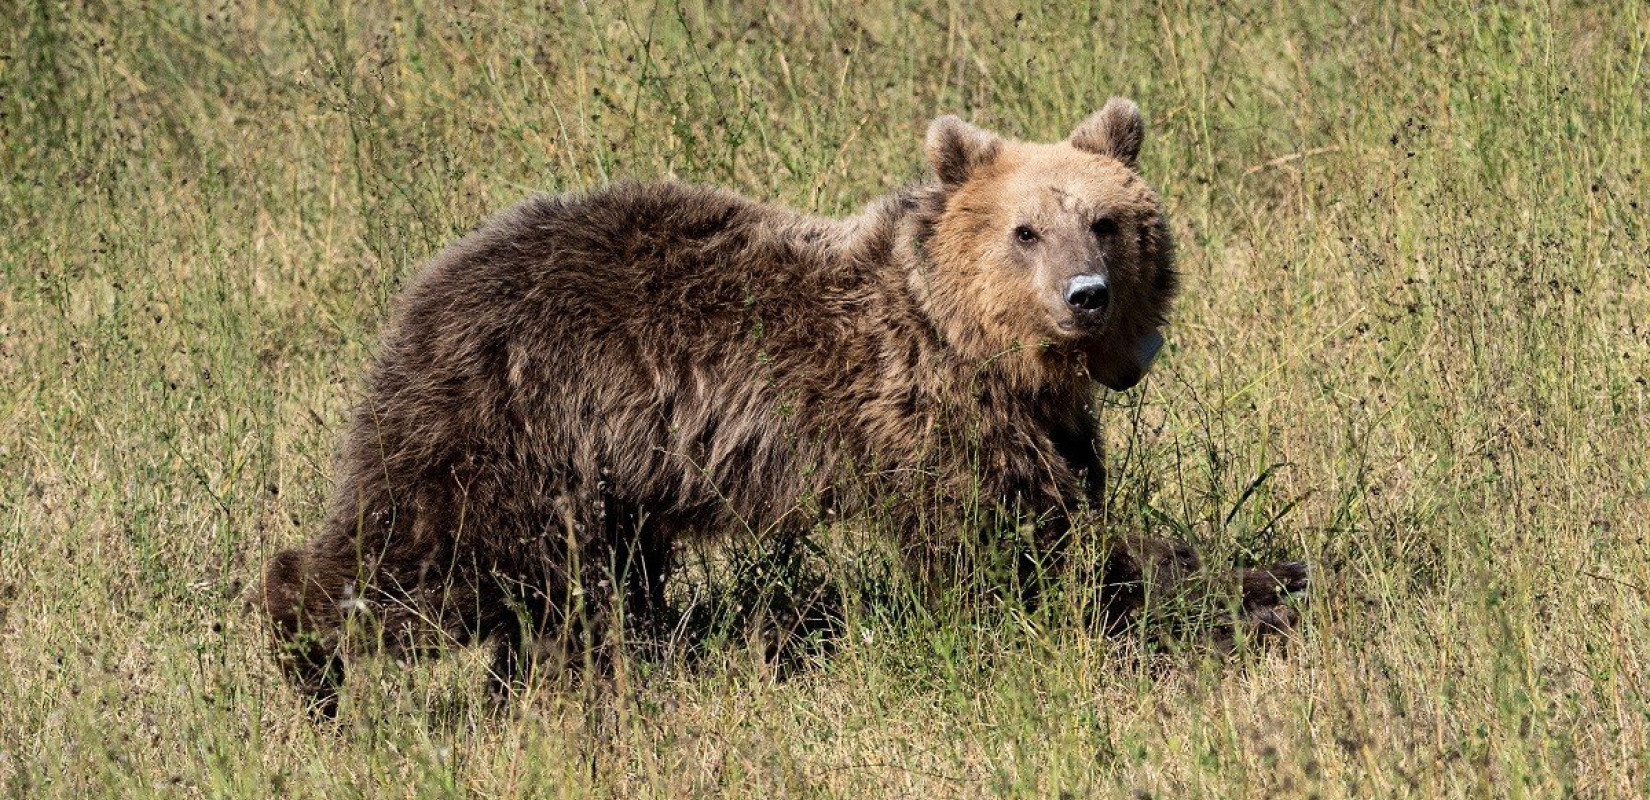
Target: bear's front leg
x=1268, y=595
x=1146, y=574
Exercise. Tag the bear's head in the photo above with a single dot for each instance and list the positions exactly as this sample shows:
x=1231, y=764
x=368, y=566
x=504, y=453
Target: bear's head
x=1049, y=256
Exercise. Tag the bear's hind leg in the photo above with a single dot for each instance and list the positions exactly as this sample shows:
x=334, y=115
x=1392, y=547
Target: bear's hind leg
x=552, y=622
x=508, y=674
x=644, y=563
x=581, y=605
x=520, y=627
x=307, y=640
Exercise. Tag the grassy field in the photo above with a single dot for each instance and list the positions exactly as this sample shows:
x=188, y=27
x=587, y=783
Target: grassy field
x=1412, y=348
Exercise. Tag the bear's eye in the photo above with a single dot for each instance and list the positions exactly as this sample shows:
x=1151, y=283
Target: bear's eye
x=1025, y=235
x=1104, y=226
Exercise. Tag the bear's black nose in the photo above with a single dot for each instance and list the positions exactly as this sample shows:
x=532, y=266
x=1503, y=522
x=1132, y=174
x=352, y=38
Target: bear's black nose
x=1087, y=294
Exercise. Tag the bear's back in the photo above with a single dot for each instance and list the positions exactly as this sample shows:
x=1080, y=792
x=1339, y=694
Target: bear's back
x=661, y=262
x=674, y=338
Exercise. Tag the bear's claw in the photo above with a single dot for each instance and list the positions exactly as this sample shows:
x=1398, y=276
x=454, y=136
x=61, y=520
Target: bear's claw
x=1271, y=596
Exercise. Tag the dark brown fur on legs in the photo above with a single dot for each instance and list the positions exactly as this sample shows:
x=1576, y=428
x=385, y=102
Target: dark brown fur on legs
x=1163, y=582
x=586, y=381
x=623, y=585
x=307, y=645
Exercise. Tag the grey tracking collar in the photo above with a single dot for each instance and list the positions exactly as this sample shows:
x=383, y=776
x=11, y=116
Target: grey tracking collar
x=1145, y=351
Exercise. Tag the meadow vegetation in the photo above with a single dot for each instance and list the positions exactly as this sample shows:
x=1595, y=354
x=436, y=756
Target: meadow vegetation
x=1412, y=348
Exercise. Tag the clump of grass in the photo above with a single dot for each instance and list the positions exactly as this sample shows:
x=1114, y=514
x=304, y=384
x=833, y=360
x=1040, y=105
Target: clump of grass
x=1412, y=349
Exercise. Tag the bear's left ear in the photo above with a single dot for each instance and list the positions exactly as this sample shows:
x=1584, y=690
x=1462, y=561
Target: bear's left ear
x=1116, y=130
x=956, y=149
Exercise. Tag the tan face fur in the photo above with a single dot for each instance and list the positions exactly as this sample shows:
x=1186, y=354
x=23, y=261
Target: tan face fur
x=1046, y=251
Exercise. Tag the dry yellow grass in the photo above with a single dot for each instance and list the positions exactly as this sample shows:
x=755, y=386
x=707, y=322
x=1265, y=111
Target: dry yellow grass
x=1413, y=347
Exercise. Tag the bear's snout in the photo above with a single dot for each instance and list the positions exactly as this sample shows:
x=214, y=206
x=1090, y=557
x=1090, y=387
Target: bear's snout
x=1087, y=296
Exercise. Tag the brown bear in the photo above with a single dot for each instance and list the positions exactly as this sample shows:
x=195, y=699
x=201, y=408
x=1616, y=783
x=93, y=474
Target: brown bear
x=572, y=389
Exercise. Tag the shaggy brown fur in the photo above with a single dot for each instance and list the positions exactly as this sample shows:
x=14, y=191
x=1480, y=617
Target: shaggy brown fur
x=584, y=381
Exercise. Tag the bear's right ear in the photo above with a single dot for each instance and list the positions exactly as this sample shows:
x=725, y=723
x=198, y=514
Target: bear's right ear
x=956, y=149
x=1116, y=130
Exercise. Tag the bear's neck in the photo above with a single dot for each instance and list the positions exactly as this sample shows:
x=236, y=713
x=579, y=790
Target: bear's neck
x=947, y=349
